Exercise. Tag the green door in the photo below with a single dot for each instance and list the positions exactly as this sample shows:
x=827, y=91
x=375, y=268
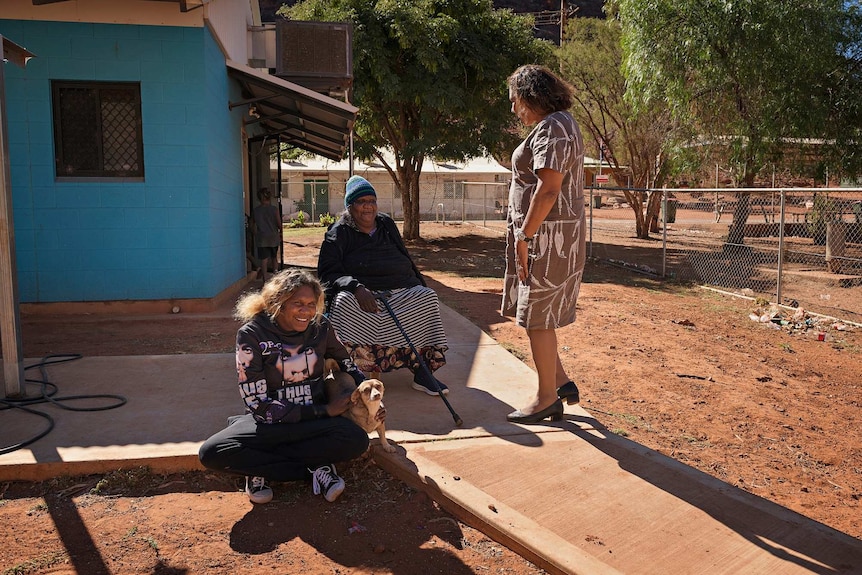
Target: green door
x=316, y=198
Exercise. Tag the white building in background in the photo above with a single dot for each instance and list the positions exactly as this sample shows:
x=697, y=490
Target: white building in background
x=473, y=190
x=449, y=190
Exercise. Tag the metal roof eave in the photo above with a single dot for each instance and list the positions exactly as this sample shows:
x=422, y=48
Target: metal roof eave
x=185, y=5
x=309, y=120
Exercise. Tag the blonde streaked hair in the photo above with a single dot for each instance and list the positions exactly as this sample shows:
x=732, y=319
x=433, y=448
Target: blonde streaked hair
x=275, y=292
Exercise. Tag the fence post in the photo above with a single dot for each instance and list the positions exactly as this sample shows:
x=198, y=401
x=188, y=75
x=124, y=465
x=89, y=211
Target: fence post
x=664, y=232
x=836, y=237
x=780, y=249
x=463, y=203
x=484, y=203
x=591, y=223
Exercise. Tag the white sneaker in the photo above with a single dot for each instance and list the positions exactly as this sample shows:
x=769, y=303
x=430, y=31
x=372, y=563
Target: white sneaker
x=325, y=480
x=257, y=490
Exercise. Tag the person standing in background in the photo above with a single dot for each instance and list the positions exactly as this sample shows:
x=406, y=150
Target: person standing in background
x=268, y=232
x=545, y=239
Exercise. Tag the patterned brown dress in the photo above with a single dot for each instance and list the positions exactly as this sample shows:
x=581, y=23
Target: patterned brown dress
x=558, y=253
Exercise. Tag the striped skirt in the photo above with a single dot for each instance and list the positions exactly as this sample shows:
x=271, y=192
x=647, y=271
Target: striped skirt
x=373, y=339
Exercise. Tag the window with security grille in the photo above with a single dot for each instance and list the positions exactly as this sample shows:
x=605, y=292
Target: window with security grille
x=453, y=190
x=97, y=129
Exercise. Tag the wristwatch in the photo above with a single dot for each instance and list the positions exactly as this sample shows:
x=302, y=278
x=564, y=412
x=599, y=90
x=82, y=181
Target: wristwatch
x=521, y=236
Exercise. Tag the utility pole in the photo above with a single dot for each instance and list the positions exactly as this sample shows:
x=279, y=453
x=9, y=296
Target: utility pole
x=562, y=21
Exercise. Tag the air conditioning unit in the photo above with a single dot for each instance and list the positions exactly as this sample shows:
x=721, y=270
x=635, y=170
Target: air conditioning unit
x=317, y=55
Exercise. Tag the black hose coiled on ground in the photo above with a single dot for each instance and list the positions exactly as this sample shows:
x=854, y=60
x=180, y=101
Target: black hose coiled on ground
x=48, y=394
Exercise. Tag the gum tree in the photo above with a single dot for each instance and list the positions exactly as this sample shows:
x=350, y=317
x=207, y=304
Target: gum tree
x=750, y=76
x=633, y=141
x=429, y=81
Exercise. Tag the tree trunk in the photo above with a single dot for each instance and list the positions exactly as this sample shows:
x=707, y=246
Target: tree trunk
x=645, y=220
x=641, y=229
x=736, y=233
x=641, y=221
x=652, y=212
x=410, y=202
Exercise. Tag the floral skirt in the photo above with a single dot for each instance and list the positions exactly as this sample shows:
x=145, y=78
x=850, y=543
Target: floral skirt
x=377, y=344
x=377, y=358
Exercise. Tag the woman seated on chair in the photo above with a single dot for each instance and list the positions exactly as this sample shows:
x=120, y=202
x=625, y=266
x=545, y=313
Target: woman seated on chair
x=363, y=258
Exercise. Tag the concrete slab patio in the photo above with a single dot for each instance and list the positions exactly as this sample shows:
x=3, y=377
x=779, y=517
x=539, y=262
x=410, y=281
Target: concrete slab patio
x=570, y=496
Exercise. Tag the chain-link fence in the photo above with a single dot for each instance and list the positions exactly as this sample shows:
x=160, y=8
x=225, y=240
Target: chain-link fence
x=440, y=201
x=800, y=247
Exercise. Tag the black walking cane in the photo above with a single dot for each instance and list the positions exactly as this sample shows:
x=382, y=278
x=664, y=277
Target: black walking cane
x=382, y=297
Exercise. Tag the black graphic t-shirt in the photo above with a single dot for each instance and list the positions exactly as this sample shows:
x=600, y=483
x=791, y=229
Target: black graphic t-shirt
x=281, y=372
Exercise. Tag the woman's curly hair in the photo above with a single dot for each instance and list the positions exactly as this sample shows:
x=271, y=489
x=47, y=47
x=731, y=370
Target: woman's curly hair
x=540, y=89
x=275, y=292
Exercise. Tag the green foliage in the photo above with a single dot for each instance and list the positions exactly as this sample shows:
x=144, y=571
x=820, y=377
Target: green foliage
x=590, y=59
x=429, y=80
x=299, y=220
x=289, y=153
x=751, y=74
x=822, y=212
x=635, y=140
x=38, y=564
x=327, y=219
x=123, y=479
x=844, y=124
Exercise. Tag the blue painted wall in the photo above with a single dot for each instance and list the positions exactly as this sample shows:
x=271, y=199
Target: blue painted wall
x=179, y=233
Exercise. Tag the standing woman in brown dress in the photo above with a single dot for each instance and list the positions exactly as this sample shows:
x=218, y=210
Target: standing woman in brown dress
x=545, y=240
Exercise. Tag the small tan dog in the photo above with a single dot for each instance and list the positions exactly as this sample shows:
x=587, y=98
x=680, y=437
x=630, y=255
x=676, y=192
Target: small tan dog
x=365, y=400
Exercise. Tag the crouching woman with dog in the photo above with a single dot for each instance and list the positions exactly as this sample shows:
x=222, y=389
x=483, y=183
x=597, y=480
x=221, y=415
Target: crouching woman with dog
x=290, y=431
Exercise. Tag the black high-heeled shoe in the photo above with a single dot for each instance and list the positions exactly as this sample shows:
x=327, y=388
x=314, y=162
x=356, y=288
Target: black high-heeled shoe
x=569, y=391
x=554, y=412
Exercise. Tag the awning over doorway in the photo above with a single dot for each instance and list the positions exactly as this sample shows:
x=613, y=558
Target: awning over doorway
x=302, y=117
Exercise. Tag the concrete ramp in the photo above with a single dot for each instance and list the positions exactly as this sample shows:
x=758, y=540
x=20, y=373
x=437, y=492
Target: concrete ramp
x=590, y=502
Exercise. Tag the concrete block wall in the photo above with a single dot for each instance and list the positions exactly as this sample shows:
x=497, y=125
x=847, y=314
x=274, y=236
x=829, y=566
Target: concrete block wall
x=176, y=234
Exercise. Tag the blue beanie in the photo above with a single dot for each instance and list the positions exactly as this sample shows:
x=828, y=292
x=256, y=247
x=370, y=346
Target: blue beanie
x=356, y=187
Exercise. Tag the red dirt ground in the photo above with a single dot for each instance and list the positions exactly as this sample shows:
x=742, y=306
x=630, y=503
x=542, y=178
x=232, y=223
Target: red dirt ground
x=684, y=371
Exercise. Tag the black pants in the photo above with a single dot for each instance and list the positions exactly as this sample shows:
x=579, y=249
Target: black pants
x=282, y=451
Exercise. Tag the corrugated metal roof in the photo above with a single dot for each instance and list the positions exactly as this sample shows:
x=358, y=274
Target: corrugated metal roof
x=472, y=166
x=301, y=117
